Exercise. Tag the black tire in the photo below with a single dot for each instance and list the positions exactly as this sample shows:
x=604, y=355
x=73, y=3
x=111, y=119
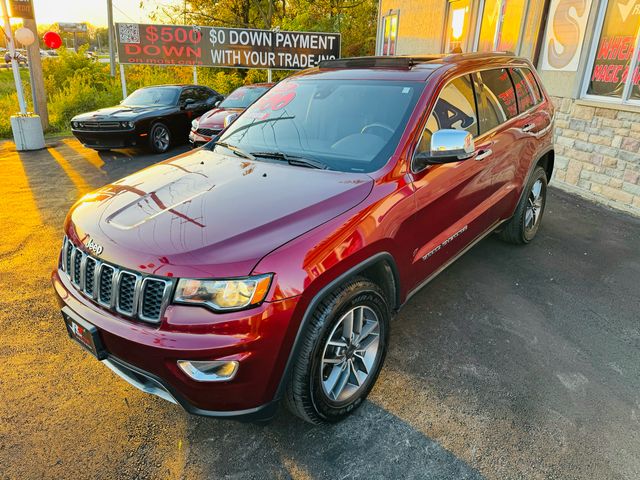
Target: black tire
x=305, y=395
x=160, y=138
x=100, y=149
x=518, y=230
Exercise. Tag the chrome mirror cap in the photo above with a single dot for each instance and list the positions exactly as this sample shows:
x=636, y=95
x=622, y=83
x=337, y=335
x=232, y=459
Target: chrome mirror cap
x=452, y=143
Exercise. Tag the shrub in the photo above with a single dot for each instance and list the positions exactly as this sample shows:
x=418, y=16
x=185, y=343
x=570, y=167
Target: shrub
x=77, y=84
x=80, y=94
x=8, y=104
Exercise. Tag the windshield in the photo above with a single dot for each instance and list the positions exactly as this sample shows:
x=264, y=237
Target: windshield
x=348, y=125
x=243, y=97
x=147, y=97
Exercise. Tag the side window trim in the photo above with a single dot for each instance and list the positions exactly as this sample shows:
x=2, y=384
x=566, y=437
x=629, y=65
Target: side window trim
x=477, y=84
x=515, y=92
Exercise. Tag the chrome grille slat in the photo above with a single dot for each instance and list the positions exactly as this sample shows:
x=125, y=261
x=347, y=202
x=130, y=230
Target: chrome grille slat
x=106, y=284
x=127, y=292
x=76, y=267
x=154, y=297
x=90, y=276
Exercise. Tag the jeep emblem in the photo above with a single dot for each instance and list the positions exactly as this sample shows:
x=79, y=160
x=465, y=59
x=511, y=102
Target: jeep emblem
x=94, y=247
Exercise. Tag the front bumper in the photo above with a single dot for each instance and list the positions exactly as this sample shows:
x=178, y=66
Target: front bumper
x=145, y=355
x=110, y=138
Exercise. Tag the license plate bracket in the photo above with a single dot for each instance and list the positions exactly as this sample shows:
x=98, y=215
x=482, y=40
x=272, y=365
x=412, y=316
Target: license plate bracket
x=84, y=333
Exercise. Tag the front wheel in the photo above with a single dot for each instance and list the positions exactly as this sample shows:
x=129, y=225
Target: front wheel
x=524, y=224
x=159, y=138
x=342, y=352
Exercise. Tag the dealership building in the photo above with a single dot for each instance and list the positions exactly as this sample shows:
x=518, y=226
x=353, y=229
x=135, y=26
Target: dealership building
x=584, y=51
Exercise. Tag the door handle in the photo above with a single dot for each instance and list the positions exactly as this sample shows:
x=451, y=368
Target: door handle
x=482, y=154
x=528, y=127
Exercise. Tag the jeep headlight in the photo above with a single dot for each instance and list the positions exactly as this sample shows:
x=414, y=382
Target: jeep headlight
x=223, y=295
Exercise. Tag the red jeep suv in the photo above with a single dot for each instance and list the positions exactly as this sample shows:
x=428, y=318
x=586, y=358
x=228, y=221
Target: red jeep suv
x=268, y=264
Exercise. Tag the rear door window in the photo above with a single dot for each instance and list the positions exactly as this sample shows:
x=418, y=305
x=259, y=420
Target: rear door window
x=498, y=98
x=455, y=109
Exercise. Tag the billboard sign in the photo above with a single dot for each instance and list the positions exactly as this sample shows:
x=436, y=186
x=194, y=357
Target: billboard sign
x=223, y=47
x=21, y=8
x=73, y=27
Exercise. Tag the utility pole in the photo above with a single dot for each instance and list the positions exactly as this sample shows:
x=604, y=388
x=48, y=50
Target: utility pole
x=14, y=63
x=112, y=52
x=37, y=78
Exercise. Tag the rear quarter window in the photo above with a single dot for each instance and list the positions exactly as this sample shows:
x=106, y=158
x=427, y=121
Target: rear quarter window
x=535, y=88
x=524, y=91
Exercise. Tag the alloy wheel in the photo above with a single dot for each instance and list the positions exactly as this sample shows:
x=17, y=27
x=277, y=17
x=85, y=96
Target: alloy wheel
x=535, y=203
x=161, y=138
x=350, y=354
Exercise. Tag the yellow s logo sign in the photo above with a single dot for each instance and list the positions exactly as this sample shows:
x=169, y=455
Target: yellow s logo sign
x=567, y=32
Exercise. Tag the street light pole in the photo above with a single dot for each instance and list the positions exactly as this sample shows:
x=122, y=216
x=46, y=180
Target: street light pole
x=112, y=53
x=14, y=63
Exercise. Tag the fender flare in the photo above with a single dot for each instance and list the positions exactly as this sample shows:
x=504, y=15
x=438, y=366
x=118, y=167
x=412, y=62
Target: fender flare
x=315, y=301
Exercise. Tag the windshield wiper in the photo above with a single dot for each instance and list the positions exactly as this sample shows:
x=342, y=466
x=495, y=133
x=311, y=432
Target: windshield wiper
x=292, y=159
x=261, y=122
x=237, y=150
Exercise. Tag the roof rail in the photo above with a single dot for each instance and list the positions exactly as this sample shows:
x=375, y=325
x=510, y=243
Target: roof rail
x=369, y=62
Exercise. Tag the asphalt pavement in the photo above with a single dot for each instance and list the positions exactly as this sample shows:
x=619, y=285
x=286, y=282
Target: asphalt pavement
x=515, y=363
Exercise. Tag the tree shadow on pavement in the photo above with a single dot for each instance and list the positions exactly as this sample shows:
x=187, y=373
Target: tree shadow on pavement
x=60, y=174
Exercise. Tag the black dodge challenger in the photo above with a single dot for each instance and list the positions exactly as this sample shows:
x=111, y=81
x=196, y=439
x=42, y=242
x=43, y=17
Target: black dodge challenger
x=154, y=117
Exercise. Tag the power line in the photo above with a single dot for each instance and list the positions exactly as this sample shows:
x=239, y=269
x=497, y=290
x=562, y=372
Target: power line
x=124, y=13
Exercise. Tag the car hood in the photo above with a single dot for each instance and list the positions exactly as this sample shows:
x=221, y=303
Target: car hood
x=204, y=214
x=120, y=113
x=215, y=118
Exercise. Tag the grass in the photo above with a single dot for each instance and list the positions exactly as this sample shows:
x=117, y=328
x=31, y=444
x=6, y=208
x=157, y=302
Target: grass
x=6, y=80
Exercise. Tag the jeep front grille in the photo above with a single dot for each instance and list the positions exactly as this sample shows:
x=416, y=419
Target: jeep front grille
x=126, y=292
x=209, y=132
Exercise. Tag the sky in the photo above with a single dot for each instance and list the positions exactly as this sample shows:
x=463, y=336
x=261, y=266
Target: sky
x=93, y=11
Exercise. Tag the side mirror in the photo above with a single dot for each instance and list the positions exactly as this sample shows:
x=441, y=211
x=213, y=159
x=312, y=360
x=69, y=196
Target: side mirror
x=229, y=119
x=217, y=102
x=447, y=146
x=187, y=104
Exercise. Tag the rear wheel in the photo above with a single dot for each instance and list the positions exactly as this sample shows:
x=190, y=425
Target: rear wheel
x=342, y=352
x=159, y=138
x=524, y=224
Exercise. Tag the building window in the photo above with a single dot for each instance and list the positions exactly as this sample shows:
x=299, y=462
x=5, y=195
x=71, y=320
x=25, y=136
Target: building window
x=389, y=33
x=509, y=26
x=617, y=54
x=458, y=25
